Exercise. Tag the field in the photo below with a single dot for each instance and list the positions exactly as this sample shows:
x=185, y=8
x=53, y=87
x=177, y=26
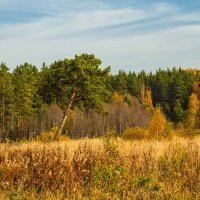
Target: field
x=101, y=169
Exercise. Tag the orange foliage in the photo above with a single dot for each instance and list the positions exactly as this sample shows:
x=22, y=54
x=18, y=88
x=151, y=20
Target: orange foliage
x=118, y=97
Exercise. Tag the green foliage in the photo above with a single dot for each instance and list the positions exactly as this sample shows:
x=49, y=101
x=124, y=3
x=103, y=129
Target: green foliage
x=26, y=84
x=128, y=99
x=81, y=75
x=103, y=174
x=168, y=133
x=26, y=80
x=178, y=112
x=110, y=145
x=6, y=98
x=47, y=90
x=16, y=195
x=120, y=82
x=147, y=182
x=133, y=84
x=135, y=133
x=79, y=81
x=110, y=178
x=26, y=90
x=170, y=88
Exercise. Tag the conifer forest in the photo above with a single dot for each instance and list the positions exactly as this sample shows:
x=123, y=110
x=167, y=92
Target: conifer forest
x=34, y=100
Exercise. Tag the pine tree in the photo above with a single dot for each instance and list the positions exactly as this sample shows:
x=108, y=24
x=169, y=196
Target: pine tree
x=121, y=82
x=6, y=98
x=160, y=90
x=26, y=85
x=178, y=112
x=132, y=84
x=81, y=82
x=46, y=89
x=178, y=89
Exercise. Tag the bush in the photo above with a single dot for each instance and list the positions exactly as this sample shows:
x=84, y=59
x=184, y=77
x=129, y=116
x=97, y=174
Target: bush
x=188, y=132
x=110, y=145
x=110, y=178
x=45, y=136
x=50, y=136
x=168, y=133
x=135, y=133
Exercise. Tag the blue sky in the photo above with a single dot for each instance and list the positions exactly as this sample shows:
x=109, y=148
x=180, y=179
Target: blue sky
x=125, y=34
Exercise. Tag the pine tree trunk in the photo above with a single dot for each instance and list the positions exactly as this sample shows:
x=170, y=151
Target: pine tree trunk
x=12, y=117
x=3, y=115
x=60, y=129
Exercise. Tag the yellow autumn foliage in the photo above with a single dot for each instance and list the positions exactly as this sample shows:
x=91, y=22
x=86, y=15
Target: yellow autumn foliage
x=193, y=107
x=148, y=104
x=157, y=124
x=48, y=136
x=135, y=133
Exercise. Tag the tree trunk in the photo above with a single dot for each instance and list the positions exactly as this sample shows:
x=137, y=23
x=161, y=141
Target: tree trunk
x=3, y=115
x=12, y=117
x=60, y=129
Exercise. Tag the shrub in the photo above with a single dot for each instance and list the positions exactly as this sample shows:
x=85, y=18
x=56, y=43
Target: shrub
x=110, y=178
x=135, y=133
x=110, y=145
x=45, y=136
x=50, y=136
x=168, y=133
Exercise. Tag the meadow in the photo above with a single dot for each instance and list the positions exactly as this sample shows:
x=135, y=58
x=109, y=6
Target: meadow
x=107, y=168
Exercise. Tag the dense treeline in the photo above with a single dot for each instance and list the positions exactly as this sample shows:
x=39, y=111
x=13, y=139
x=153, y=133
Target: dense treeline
x=170, y=88
x=33, y=100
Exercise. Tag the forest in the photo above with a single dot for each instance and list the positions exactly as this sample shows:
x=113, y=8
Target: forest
x=73, y=130
x=33, y=100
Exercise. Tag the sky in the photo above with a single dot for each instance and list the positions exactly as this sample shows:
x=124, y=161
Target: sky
x=125, y=34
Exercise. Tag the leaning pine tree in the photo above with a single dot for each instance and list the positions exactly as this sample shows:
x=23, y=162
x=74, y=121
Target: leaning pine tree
x=82, y=82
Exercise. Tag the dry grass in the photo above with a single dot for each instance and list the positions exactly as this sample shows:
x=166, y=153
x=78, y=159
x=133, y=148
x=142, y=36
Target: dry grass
x=101, y=169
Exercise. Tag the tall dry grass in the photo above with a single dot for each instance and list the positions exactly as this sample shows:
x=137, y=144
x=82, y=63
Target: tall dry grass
x=101, y=169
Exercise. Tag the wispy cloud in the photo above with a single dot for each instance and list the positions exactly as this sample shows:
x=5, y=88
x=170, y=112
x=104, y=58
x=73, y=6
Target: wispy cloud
x=160, y=34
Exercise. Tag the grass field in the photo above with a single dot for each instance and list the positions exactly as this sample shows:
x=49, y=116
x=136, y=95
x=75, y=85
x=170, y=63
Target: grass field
x=101, y=169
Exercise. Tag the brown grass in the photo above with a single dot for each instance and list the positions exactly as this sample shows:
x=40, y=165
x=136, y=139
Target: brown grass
x=101, y=169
